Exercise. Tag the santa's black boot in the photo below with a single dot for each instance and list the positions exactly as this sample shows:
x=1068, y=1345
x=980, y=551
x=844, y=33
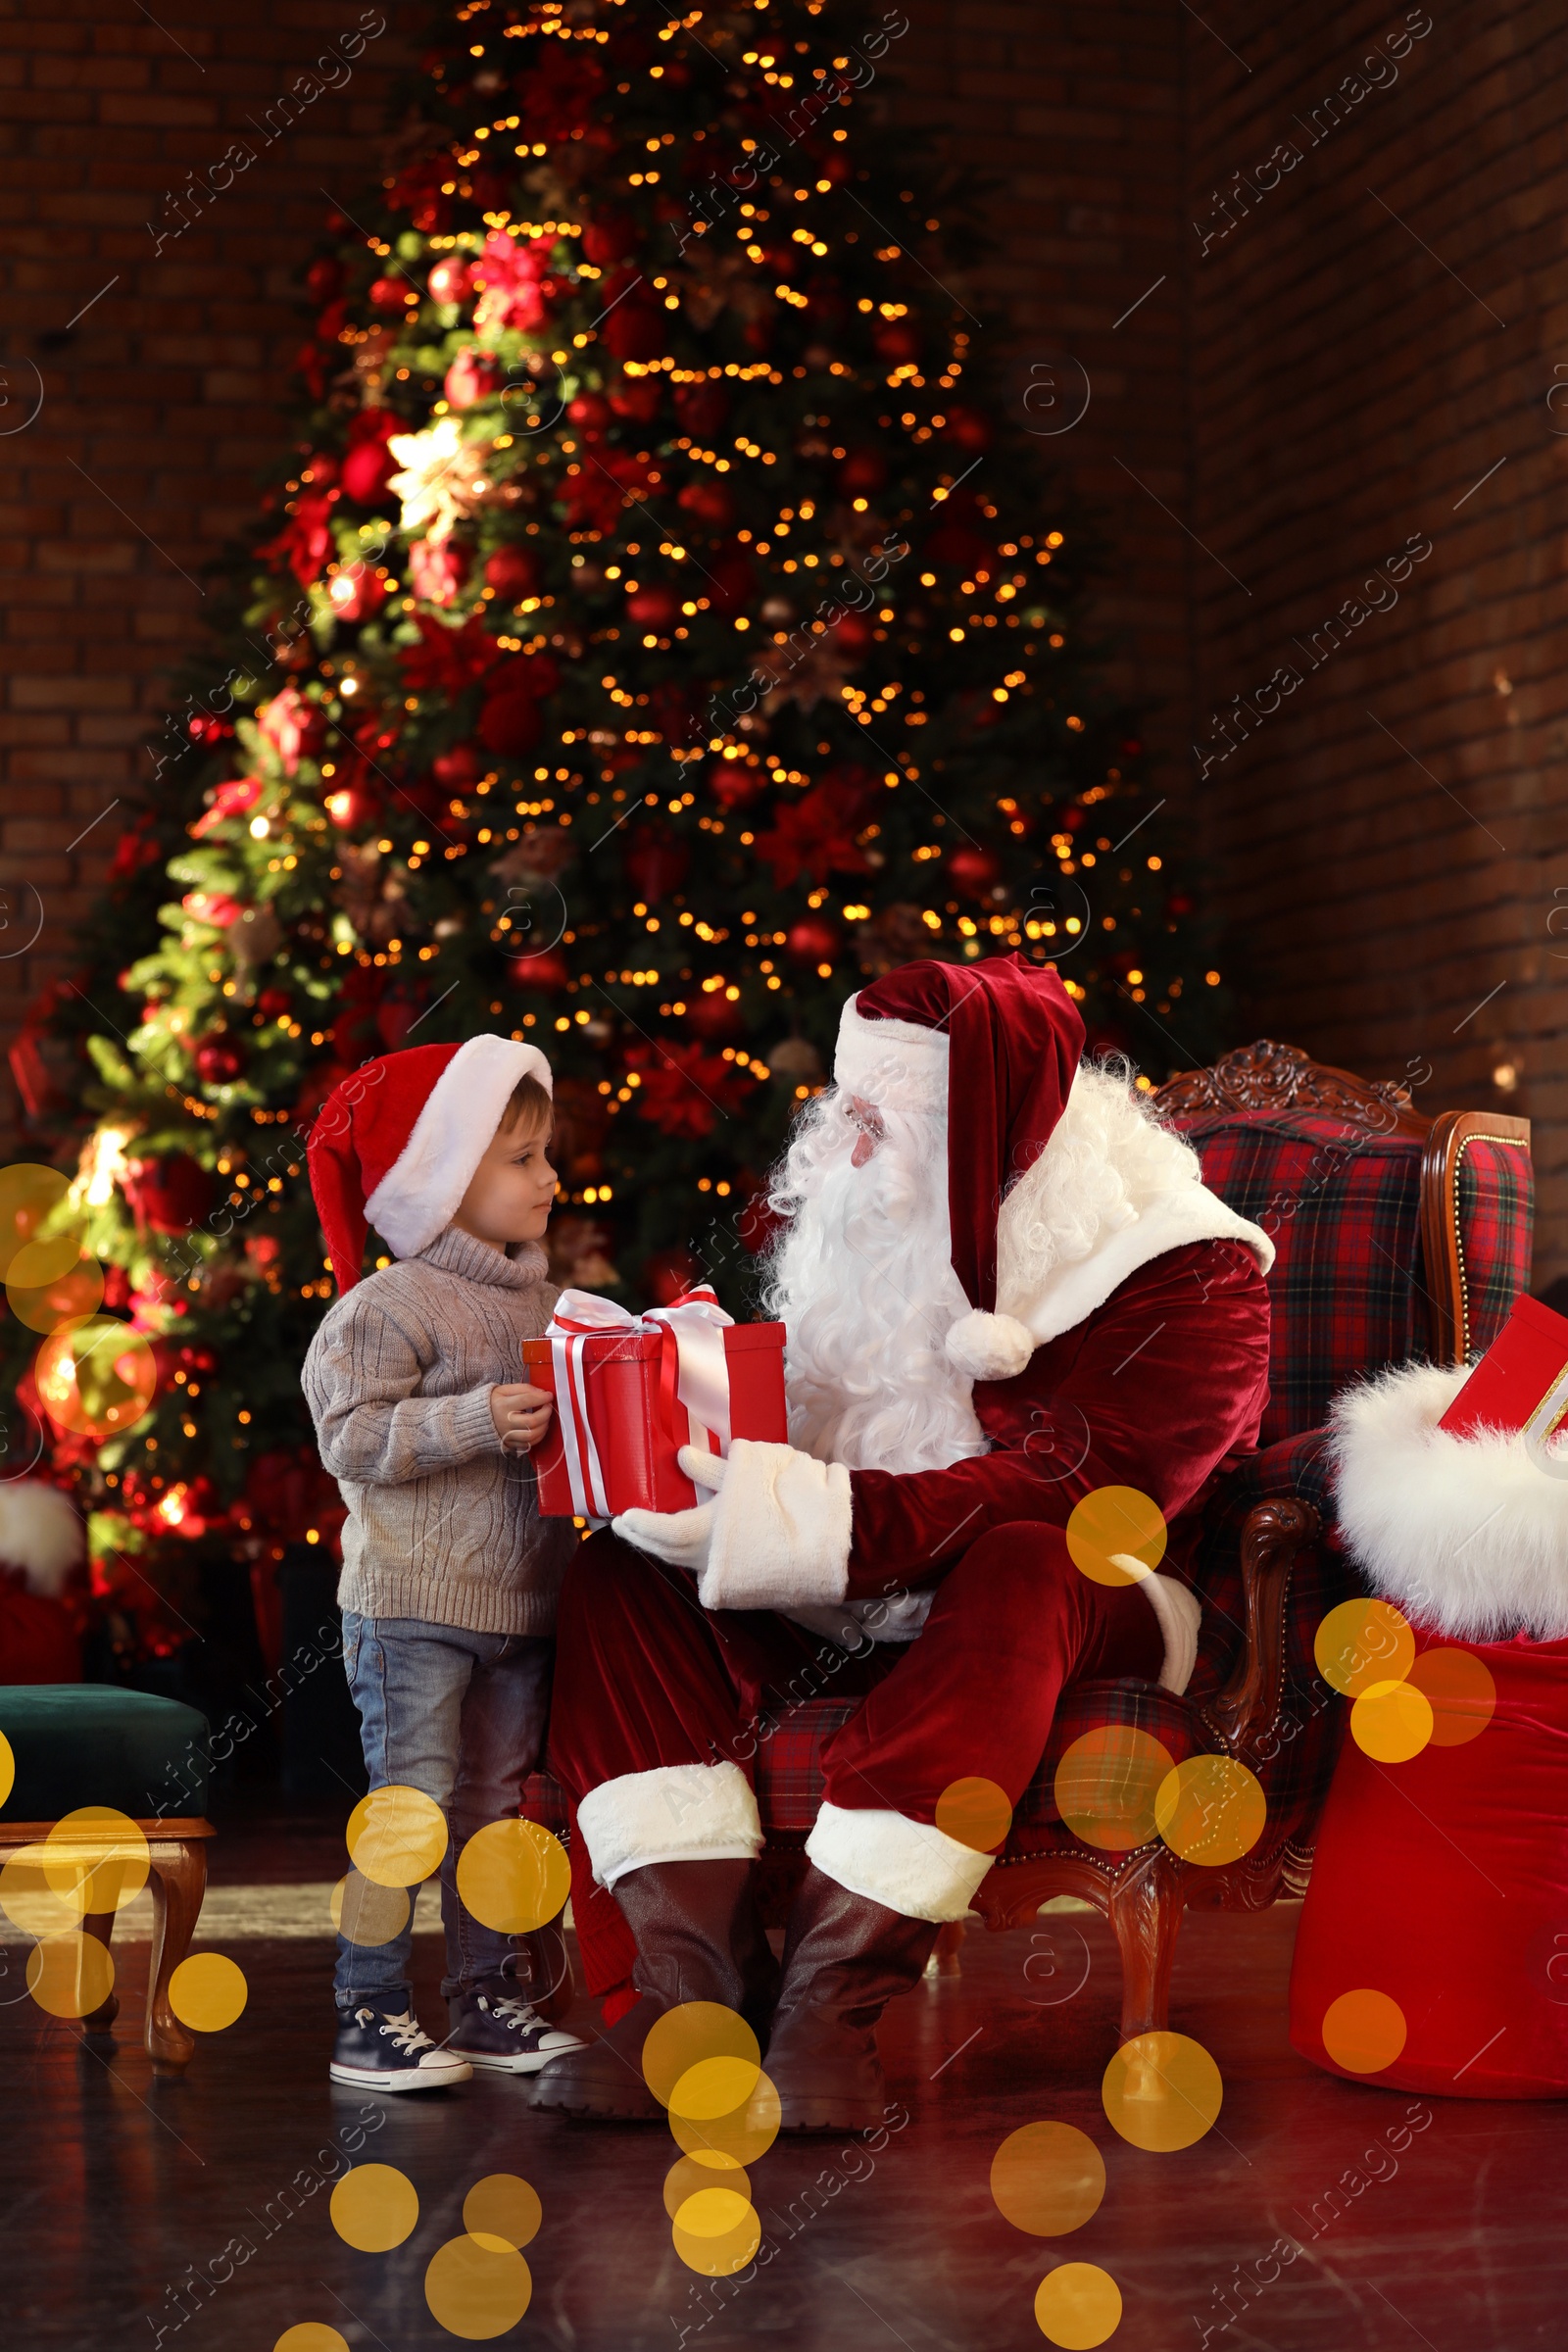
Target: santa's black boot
x=699, y=1939
x=845, y=1957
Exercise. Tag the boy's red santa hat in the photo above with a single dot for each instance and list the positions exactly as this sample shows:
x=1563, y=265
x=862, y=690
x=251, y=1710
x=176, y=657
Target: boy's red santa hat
x=994, y=1047
x=396, y=1145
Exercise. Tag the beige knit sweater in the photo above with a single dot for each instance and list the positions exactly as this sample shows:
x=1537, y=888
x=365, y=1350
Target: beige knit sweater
x=443, y=1525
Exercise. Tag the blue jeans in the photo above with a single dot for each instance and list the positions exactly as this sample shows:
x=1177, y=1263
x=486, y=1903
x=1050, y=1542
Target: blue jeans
x=463, y=1717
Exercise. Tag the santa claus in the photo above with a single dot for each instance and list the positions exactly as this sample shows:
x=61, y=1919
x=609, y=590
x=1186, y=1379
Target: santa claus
x=1005, y=1286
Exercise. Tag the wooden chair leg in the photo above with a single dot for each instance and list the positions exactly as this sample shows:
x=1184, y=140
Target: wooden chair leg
x=944, y=1960
x=1145, y=1912
x=100, y=1925
x=179, y=1881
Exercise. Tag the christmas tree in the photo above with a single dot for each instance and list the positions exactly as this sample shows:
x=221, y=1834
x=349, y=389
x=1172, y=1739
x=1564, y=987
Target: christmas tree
x=654, y=632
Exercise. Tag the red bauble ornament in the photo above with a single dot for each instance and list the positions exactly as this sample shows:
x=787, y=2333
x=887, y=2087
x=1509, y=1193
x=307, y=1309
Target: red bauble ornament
x=970, y=428
x=609, y=239
x=451, y=281
x=355, y=591
x=1073, y=819
x=388, y=293
x=711, y=503
x=458, y=767
x=637, y=397
x=169, y=1193
x=669, y=1273
x=853, y=636
x=323, y=279
x=437, y=570
x=813, y=940
x=896, y=342
x=591, y=413
x=734, y=784
x=654, y=607
x=513, y=572
x=972, y=870
x=322, y=471
x=1180, y=903
x=367, y=470
x=713, y=1016
x=353, y=807
x=510, y=726
x=546, y=970
x=734, y=582
x=655, y=863
x=219, y=1058
x=863, y=471
x=703, y=409
x=274, y=1003
x=471, y=377
x=634, y=330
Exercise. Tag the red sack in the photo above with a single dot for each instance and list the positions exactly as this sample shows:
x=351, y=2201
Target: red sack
x=1442, y=1884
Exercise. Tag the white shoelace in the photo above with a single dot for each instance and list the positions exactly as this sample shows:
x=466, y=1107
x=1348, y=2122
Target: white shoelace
x=520, y=2015
x=406, y=2033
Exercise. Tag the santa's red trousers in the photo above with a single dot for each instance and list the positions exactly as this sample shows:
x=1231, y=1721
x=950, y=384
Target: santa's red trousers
x=645, y=1676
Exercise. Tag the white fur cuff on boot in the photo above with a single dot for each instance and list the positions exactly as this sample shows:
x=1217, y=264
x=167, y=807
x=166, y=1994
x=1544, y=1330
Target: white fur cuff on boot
x=674, y=1813
x=1467, y=1534
x=781, y=1530
x=908, y=1866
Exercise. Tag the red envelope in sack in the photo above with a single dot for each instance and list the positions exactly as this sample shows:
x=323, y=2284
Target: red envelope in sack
x=620, y=1419
x=1522, y=1380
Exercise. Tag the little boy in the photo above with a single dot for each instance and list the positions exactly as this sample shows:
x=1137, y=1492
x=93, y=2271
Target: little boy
x=450, y=1575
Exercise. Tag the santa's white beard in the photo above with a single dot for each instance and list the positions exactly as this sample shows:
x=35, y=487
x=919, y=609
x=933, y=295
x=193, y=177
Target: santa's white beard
x=862, y=1277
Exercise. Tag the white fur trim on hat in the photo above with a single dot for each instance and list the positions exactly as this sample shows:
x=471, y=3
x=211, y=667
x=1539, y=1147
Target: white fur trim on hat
x=674, y=1813
x=908, y=1866
x=420, y=1192
x=1467, y=1534
x=41, y=1533
x=897, y=1064
x=1112, y=1190
x=781, y=1530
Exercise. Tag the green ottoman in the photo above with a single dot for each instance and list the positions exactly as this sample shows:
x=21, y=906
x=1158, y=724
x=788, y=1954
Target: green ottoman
x=80, y=1744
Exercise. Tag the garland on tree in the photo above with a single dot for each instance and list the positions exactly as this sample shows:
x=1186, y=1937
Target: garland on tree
x=654, y=633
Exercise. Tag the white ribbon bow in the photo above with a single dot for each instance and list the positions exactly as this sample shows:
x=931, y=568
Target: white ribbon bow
x=695, y=1322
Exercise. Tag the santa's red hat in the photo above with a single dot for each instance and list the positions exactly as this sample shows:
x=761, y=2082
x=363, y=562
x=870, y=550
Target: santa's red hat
x=396, y=1144
x=993, y=1049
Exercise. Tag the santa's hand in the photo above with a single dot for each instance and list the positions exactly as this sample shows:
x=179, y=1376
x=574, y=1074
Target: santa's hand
x=703, y=1468
x=780, y=1526
x=681, y=1538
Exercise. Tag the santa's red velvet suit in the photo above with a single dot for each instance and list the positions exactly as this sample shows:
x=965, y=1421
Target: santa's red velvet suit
x=1005, y=1286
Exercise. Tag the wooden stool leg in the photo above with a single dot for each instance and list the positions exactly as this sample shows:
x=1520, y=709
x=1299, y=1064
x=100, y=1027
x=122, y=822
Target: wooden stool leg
x=100, y=1925
x=179, y=1881
x=1146, y=1911
x=944, y=1960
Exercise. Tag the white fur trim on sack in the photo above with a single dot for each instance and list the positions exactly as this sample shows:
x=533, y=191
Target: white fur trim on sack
x=781, y=1530
x=897, y=1064
x=41, y=1533
x=1467, y=1534
x=420, y=1192
x=674, y=1813
x=908, y=1866
x=1135, y=1191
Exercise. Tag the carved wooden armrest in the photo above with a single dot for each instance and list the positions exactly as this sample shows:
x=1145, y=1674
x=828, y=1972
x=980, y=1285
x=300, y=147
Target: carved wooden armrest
x=1250, y=1703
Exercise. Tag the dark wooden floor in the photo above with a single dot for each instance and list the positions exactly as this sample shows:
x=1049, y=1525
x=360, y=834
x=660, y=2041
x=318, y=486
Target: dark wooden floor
x=113, y=2188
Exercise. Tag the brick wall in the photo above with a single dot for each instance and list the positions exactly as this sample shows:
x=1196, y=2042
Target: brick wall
x=160, y=372
x=1373, y=342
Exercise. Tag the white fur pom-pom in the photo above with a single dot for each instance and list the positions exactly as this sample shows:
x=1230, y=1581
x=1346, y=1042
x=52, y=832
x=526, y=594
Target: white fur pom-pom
x=41, y=1533
x=989, y=1347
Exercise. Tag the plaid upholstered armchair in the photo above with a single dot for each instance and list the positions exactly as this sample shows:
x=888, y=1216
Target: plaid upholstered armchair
x=1397, y=1237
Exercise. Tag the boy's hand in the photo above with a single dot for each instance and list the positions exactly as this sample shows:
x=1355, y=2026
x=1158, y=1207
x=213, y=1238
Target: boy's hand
x=522, y=1415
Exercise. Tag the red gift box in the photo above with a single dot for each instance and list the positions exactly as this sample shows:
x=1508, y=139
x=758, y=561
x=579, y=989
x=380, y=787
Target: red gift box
x=1522, y=1380
x=631, y=1391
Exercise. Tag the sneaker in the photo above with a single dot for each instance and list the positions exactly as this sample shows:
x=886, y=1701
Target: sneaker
x=377, y=2051
x=504, y=2031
